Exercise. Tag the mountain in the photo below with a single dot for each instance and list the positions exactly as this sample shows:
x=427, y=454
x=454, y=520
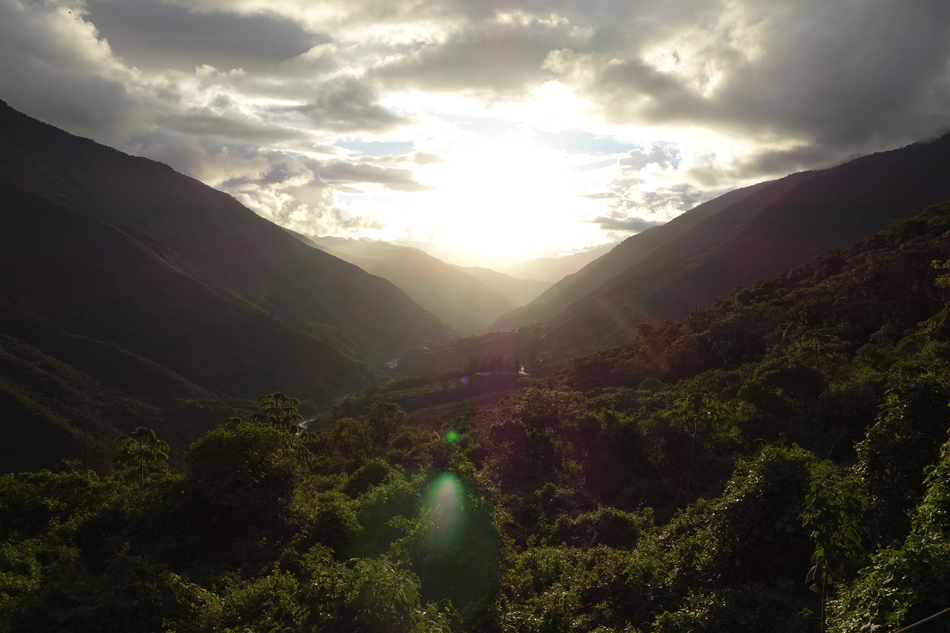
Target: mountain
x=821, y=211
x=456, y=295
x=552, y=269
x=132, y=294
x=518, y=291
x=711, y=220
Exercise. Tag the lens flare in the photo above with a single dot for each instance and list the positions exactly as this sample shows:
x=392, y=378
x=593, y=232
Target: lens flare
x=444, y=503
x=452, y=436
x=461, y=554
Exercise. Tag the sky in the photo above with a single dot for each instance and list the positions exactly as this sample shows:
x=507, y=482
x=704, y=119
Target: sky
x=479, y=129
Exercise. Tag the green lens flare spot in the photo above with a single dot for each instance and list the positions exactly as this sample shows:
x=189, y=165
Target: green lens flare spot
x=452, y=436
x=443, y=504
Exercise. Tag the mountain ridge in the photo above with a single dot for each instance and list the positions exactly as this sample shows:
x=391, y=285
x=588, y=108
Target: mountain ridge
x=125, y=259
x=832, y=208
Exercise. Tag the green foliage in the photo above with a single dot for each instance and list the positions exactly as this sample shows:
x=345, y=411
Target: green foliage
x=237, y=477
x=755, y=608
x=143, y=447
x=833, y=509
x=686, y=481
x=900, y=587
x=279, y=411
x=605, y=526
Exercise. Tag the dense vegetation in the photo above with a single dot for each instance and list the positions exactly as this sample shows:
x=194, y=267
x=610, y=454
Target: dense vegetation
x=776, y=456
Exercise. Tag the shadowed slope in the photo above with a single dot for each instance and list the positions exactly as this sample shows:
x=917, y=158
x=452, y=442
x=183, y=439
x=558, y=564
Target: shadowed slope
x=166, y=298
x=694, y=229
x=833, y=208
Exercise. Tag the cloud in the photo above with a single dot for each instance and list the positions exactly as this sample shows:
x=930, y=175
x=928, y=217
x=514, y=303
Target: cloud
x=346, y=104
x=393, y=179
x=504, y=53
x=841, y=76
x=425, y=158
x=627, y=224
x=417, y=158
x=205, y=122
x=295, y=106
x=54, y=66
x=157, y=35
x=663, y=155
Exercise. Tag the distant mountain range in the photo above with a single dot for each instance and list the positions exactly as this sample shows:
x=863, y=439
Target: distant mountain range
x=467, y=298
x=132, y=294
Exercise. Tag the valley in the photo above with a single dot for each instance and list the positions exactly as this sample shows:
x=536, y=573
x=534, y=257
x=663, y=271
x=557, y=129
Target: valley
x=736, y=420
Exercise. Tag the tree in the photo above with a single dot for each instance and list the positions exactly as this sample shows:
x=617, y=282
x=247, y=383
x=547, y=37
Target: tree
x=384, y=420
x=702, y=412
x=142, y=446
x=279, y=411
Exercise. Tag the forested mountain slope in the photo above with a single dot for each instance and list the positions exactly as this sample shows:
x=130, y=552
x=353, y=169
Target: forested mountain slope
x=718, y=217
x=130, y=292
x=831, y=209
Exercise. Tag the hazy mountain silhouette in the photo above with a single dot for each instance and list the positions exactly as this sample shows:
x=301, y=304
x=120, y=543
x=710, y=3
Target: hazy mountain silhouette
x=552, y=269
x=463, y=297
x=129, y=291
x=518, y=291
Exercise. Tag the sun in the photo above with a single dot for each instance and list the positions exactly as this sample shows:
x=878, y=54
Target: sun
x=504, y=199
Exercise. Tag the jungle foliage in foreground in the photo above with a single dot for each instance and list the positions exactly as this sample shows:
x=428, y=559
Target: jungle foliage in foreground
x=691, y=480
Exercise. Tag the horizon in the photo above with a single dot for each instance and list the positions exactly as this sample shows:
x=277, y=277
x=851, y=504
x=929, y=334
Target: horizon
x=480, y=134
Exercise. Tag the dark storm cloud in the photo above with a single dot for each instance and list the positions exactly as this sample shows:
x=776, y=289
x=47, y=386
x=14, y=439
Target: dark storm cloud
x=60, y=74
x=152, y=34
x=834, y=77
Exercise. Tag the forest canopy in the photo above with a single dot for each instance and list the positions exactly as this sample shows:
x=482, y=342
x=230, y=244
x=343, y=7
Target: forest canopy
x=775, y=459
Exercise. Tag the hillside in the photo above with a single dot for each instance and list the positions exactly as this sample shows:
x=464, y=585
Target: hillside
x=462, y=300
x=829, y=209
x=518, y=291
x=551, y=269
x=132, y=294
x=694, y=229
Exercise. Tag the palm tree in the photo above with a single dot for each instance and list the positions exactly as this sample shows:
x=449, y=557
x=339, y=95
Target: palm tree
x=142, y=446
